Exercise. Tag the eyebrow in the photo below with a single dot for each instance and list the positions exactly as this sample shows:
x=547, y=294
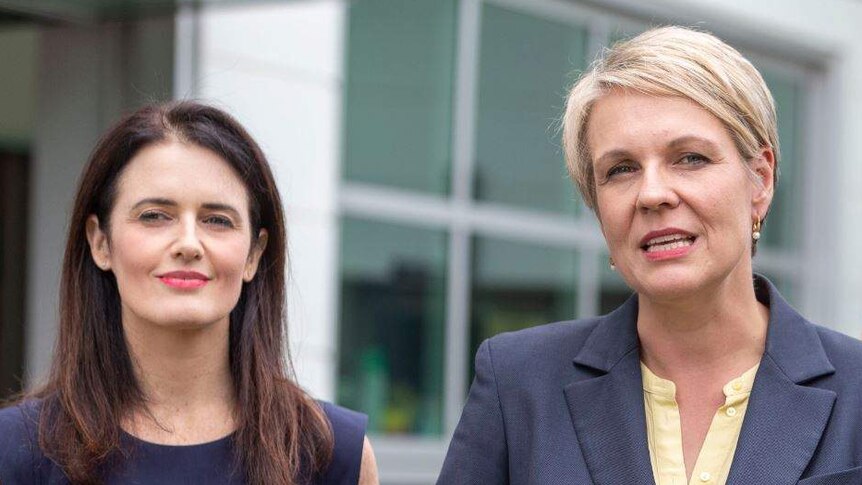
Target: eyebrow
x=613, y=154
x=684, y=140
x=216, y=206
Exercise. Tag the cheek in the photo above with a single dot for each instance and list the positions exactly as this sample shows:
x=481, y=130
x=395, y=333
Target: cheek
x=229, y=259
x=134, y=256
x=613, y=217
x=229, y=263
x=725, y=207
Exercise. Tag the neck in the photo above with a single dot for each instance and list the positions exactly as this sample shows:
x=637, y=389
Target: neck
x=719, y=332
x=185, y=377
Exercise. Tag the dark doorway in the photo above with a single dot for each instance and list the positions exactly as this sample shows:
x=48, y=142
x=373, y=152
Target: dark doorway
x=14, y=187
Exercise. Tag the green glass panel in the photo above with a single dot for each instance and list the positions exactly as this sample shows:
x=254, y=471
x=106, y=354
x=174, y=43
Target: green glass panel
x=400, y=64
x=518, y=285
x=783, y=223
x=786, y=286
x=19, y=47
x=620, y=32
x=525, y=66
x=393, y=282
x=613, y=290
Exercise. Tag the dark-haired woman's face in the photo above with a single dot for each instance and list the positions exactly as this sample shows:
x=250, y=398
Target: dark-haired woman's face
x=179, y=242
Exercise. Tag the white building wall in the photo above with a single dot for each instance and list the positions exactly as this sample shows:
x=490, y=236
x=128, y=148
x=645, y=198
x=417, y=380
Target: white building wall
x=277, y=67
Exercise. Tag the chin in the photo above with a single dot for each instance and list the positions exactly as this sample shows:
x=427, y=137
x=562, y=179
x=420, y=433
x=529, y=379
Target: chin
x=188, y=318
x=189, y=324
x=670, y=285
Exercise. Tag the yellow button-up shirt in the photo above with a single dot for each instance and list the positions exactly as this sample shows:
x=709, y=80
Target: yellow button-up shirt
x=665, y=433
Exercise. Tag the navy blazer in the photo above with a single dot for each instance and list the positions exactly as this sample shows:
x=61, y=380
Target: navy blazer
x=563, y=404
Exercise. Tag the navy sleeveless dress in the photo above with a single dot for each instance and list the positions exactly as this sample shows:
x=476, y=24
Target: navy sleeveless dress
x=22, y=462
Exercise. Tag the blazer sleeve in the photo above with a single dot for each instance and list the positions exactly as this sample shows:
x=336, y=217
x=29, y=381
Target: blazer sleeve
x=478, y=451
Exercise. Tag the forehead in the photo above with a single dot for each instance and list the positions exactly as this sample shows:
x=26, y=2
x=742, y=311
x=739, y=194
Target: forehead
x=183, y=172
x=626, y=119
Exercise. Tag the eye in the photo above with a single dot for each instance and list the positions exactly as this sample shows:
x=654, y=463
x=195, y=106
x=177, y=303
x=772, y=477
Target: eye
x=620, y=169
x=152, y=216
x=218, y=220
x=693, y=159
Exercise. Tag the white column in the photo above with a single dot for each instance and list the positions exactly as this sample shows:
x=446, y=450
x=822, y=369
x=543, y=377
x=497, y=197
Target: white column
x=278, y=67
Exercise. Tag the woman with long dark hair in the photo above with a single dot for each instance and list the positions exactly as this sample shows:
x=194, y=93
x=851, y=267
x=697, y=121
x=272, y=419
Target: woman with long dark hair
x=170, y=362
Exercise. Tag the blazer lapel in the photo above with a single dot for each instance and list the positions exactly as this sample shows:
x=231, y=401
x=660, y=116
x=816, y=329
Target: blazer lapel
x=784, y=419
x=606, y=402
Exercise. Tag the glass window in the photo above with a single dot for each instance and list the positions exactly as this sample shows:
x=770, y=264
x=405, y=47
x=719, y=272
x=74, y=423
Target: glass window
x=392, y=325
x=785, y=285
x=398, y=118
x=517, y=285
x=400, y=64
x=525, y=67
x=783, y=224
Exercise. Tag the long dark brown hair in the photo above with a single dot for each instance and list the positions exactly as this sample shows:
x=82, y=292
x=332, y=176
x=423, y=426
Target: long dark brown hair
x=282, y=437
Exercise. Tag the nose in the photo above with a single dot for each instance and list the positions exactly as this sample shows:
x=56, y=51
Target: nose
x=656, y=189
x=187, y=245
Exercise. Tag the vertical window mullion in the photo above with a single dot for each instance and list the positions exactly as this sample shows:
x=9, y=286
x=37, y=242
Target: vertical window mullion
x=463, y=148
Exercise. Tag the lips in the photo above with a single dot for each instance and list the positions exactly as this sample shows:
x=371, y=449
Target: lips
x=667, y=243
x=184, y=279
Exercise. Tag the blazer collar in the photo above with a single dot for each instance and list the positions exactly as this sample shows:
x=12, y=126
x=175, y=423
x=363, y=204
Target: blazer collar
x=606, y=400
x=791, y=341
x=615, y=336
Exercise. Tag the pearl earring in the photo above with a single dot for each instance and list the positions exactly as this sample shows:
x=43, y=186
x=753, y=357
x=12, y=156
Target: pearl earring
x=755, y=231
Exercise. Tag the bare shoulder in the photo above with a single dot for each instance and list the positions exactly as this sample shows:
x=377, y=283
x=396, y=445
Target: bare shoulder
x=368, y=468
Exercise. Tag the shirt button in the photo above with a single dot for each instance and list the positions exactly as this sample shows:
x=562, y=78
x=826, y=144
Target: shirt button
x=737, y=386
x=731, y=411
x=705, y=477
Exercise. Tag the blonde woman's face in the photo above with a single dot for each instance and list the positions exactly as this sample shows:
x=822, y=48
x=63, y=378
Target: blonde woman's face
x=675, y=201
x=180, y=241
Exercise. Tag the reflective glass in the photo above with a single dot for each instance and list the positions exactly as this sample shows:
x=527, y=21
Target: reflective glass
x=785, y=286
x=526, y=64
x=517, y=285
x=392, y=325
x=400, y=64
x=782, y=227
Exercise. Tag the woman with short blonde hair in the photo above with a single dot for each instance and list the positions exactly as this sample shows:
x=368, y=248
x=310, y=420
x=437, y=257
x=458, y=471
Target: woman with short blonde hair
x=705, y=375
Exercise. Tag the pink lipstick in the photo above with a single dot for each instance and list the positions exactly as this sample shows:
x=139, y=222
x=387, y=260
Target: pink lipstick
x=184, y=280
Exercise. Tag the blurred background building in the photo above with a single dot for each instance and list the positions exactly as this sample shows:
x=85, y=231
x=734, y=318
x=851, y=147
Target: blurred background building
x=416, y=145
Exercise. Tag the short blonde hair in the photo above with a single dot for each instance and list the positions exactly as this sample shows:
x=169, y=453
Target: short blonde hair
x=680, y=62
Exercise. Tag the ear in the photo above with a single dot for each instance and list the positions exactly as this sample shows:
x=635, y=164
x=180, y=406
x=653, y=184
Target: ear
x=763, y=188
x=100, y=250
x=254, y=256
